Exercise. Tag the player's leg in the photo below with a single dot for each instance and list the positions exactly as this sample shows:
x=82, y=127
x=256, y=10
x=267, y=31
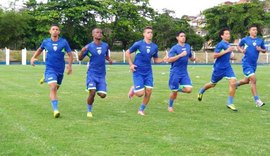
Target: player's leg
x=91, y=87
x=148, y=84
x=102, y=87
x=138, y=87
x=186, y=84
x=216, y=77
x=174, y=81
x=52, y=79
x=232, y=81
x=248, y=71
x=252, y=82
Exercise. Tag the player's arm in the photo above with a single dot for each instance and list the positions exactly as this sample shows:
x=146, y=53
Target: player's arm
x=261, y=48
x=241, y=49
x=131, y=65
x=69, y=65
x=176, y=57
x=81, y=54
x=219, y=54
x=193, y=58
x=109, y=59
x=34, y=57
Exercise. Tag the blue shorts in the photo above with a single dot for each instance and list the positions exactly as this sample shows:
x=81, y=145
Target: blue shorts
x=53, y=77
x=179, y=80
x=96, y=83
x=141, y=81
x=218, y=74
x=249, y=70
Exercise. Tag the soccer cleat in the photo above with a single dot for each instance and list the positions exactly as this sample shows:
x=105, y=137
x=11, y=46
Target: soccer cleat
x=200, y=95
x=42, y=80
x=141, y=113
x=259, y=103
x=89, y=115
x=56, y=114
x=170, y=109
x=232, y=107
x=131, y=92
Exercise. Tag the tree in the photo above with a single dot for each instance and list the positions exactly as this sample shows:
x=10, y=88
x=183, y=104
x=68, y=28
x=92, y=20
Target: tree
x=236, y=17
x=166, y=28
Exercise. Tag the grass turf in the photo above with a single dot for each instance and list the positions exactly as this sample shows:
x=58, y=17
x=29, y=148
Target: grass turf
x=195, y=128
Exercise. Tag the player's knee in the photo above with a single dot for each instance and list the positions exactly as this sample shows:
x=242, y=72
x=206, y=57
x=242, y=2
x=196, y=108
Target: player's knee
x=173, y=95
x=148, y=91
x=139, y=94
x=102, y=95
x=188, y=90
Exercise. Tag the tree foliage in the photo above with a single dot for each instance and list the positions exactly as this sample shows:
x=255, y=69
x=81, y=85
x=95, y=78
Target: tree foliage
x=236, y=17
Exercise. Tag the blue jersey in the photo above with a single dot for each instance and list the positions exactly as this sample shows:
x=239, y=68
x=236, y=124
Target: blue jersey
x=252, y=54
x=55, y=53
x=222, y=62
x=144, y=54
x=179, y=67
x=97, y=55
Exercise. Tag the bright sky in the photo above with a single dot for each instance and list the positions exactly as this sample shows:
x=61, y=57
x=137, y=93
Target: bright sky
x=181, y=7
x=186, y=7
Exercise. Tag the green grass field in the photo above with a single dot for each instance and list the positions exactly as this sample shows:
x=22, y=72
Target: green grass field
x=27, y=126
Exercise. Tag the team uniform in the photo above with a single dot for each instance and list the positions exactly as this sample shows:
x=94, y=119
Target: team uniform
x=143, y=76
x=97, y=70
x=55, y=62
x=222, y=66
x=249, y=61
x=178, y=72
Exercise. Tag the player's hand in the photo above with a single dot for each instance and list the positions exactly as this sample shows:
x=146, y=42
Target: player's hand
x=110, y=62
x=166, y=57
x=260, y=49
x=230, y=48
x=184, y=53
x=132, y=67
x=69, y=69
x=33, y=60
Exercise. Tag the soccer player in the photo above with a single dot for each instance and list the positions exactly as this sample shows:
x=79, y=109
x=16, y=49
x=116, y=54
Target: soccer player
x=251, y=46
x=179, y=79
x=222, y=68
x=97, y=51
x=141, y=68
x=56, y=48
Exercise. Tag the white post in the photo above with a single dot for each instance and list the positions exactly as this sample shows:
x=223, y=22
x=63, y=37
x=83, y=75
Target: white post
x=267, y=58
x=24, y=56
x=109, y=53
x=206, y=57
x=44, y=55
x=7, y=56
x=124, y=56
x=194, y=55
x=77, y=57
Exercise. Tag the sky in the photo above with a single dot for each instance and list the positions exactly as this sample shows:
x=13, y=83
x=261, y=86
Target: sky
x=181, y=7
x=186, y=7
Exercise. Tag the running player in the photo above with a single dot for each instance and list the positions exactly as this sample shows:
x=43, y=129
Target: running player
x=251, y=47
x=222, y=68
x=97, y=51
x=141, y=68
x=56, y=48
x=179, y=78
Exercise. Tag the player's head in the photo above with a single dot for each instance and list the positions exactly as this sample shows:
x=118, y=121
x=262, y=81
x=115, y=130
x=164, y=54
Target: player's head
x=97, y=34
x=181, y=37
x=54, y=30
x=225, y=34
x=148, y=33
x=253, y=30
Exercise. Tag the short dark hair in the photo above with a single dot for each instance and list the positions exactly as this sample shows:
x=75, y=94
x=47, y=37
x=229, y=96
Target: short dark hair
x=147, y=27
x=179, y=32
x=252, y=26
x=55, y=25
x=221, y=32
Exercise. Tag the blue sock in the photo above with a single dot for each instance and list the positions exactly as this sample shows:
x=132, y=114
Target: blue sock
x=142, y=107
x=89, y=107
x=256, y=98
x=202, y=90
x=230, y=100
x=55, y=105
x=171, y=103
